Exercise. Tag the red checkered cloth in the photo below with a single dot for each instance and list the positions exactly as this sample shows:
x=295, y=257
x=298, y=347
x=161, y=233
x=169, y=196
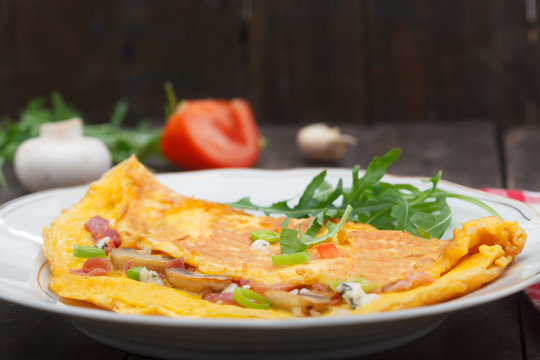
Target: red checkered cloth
x=532, y=198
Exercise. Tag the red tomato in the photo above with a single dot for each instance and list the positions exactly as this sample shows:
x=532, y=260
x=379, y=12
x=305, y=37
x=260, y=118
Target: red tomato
x=203, y=134
x=327, y=250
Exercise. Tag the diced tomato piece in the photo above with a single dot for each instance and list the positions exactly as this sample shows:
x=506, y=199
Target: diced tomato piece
x=94, y=267
x=327, y=250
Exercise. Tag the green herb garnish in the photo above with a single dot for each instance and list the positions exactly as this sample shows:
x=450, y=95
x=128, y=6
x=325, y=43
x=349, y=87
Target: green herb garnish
x=250, y=299
x=294, y=243
x=424, y=213
x=134, y=273
x=289, y=241
x=85, y=251
x=291, y=259
x=330, y=226
x=267, y=235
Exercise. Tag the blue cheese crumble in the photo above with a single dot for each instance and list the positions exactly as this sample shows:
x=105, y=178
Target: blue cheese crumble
x=354, y=294
x=150, y=276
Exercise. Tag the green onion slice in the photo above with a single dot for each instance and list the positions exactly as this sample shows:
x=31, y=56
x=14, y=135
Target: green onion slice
x=367, y=285
x=134, y=272
x=291, y=259
x=250, y=299
x=268, y=235
x=85, y=251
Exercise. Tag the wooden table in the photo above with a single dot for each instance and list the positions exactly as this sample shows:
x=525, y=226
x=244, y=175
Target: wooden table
x=471, y=153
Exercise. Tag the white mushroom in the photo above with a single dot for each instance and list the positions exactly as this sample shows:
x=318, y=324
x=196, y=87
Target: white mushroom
x=295, y=303
x=60, y=156
x=323, y=143
x=121, y=257
x=196, y=283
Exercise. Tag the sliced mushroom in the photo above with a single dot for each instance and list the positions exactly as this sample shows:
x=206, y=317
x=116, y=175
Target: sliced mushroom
x=304, y=302
x=197, y=283
x=120, y=257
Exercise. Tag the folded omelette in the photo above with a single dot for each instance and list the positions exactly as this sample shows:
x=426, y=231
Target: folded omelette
x=196, y=258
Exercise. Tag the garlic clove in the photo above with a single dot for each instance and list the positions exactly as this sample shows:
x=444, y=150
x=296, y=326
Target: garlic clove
x=60, y=156
x=323, y=143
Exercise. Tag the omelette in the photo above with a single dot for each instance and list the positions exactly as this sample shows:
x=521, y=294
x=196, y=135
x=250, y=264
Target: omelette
x=132, y=245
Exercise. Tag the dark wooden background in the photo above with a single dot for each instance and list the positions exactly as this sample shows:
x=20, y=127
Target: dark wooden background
x=300, y=61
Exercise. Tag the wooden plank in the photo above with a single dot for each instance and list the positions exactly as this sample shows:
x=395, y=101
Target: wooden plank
x=307, y=61
x=299, y=61
x=194, y=44
x=471, y=334
x=531, y=327
x=522, y=146
x=433, y=61
x=96, y=54
x=464, y=151
x=55, y=50
x=33, y=334
x=8, y=59
x=401, y=35
x=522, y=171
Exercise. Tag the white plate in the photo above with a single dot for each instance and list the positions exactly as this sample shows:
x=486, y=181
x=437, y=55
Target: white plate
x=22, y=282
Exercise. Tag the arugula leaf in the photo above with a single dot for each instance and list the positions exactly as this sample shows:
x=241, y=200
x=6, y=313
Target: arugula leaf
x=119, y=113
x=291, y=243
x=428, y=193
x=468, y=199
x=326, y=195
x=319, y=220
x=60, y=110
x=373, y=174
x=288, y=240
x=404, y=207
x=307, y=197
x=401, y=211
x=430, y=225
